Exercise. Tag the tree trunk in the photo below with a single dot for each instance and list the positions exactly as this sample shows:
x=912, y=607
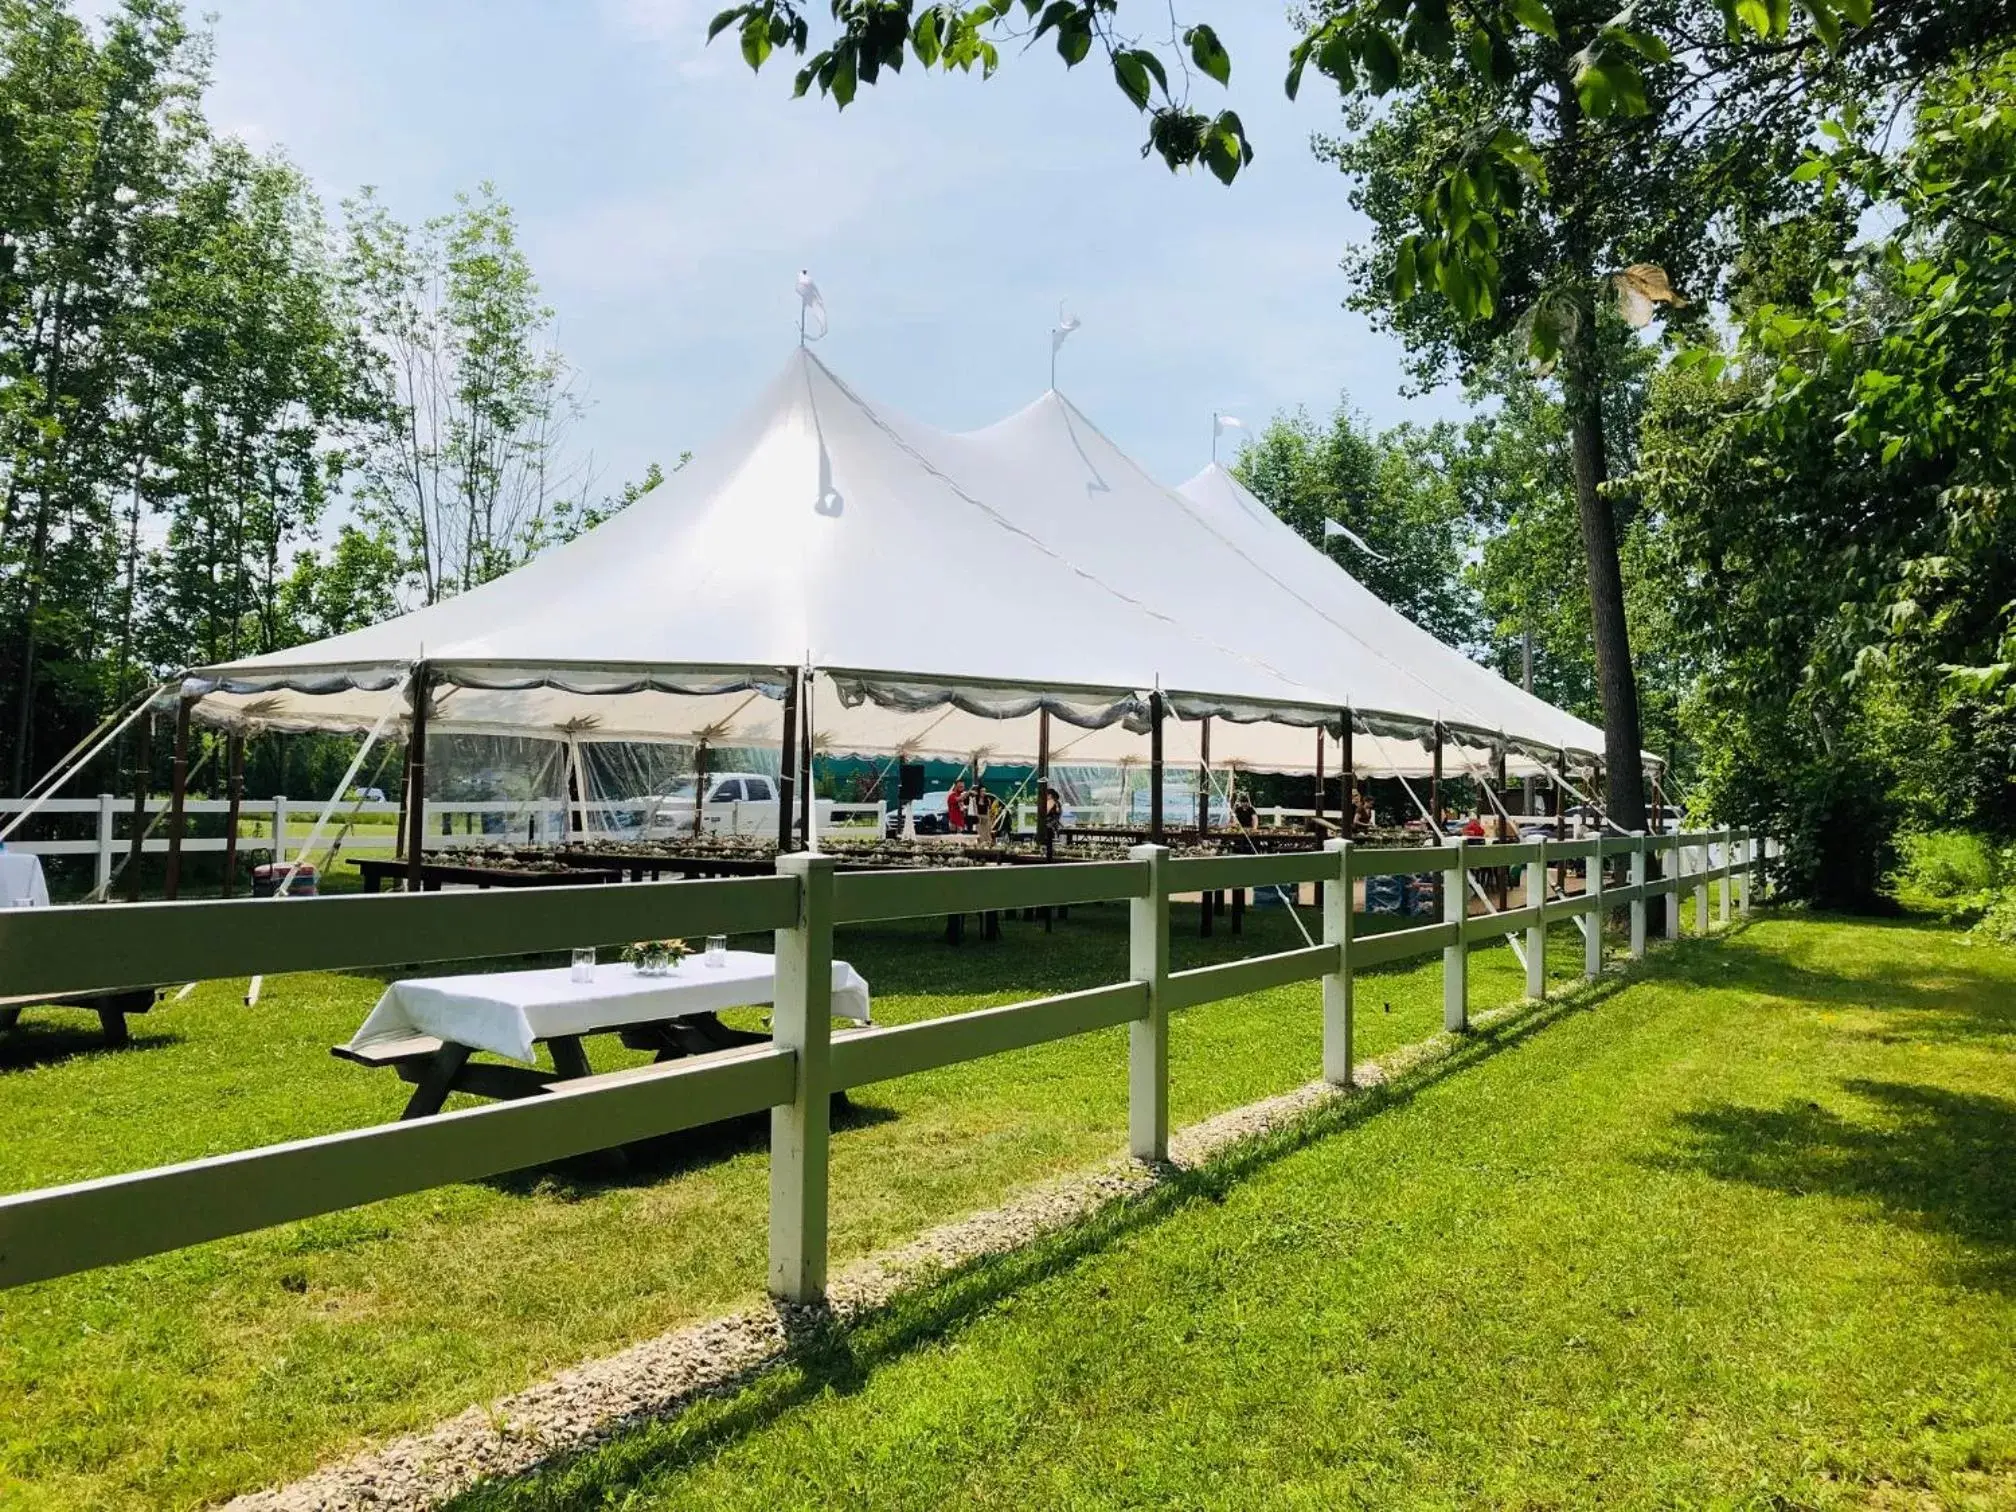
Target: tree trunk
x=1615, y=679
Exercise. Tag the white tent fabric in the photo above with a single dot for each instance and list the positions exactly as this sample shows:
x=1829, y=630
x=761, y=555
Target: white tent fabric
x=1231, y=509
x=947, y=586
x=818, y=530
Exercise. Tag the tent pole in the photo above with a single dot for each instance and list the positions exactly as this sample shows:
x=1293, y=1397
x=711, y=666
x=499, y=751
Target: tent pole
x=178, y=797
x=236, y=791
x=787, y=766
x=416, y=776
x=1155, y=708
x=699, y=785
x=143, y=763
x=1204, y=779
x=405, y=787
x=1046, y=832
x=1348, y=772
x=1435, y=777
x=1319, y=775
x=808, y=837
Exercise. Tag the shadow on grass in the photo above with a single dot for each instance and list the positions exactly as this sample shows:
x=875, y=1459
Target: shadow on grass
x=827, y=1356
x=647, y=1162
x=1965, y=998
x=76, y=1035
x=1926, y=1157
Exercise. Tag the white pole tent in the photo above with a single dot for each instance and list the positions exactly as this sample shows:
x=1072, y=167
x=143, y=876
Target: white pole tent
x=944, y=590
x=1228, y=508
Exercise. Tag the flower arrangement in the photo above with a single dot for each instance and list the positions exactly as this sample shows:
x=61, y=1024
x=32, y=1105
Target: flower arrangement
x=656, y=957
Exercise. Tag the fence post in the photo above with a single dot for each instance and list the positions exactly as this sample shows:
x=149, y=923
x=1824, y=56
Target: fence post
x=800, y=1130
x=1592, y=937
x=1728, y=876
x=1338, y=925
x=103, y=877
x=1148, y=1036
x=1456, y=958
x=279, y=831
x=1675, y=869
x=1701, y=885
x=1638, y=895
x=1536, y=932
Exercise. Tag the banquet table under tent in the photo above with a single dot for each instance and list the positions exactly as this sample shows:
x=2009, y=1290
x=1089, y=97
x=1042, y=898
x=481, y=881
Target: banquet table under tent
x=1073, y=610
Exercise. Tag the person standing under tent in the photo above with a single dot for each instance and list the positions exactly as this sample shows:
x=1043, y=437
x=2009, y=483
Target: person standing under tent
x=1049, y=814
x=1244, y=815
x=955, y=807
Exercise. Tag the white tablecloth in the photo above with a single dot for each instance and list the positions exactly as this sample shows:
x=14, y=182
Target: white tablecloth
x=21, y=877
x=504, y=1012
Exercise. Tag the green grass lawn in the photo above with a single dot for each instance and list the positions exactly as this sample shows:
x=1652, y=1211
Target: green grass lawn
x=1741, y=1233
x=196, y=1375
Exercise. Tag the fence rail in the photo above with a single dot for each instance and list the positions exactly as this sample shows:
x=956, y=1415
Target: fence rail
x=61, y=1230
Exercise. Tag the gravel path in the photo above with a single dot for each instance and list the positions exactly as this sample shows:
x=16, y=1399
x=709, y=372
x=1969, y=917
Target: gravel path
x=590, y=1402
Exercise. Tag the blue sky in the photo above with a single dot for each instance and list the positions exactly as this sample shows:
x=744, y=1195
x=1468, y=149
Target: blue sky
x=668, y=197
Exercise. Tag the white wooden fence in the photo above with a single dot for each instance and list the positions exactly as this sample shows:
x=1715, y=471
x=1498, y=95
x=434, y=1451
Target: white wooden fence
x=60, y=1230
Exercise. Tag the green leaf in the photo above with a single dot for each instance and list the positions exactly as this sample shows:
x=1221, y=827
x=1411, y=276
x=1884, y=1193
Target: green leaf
x=1535, y=17
x=755, y=40
x=1858, y=12
x=1074, y=40
x=1405, y=272
x=723, y=21
x=1208, y=53
x=924, y=36
x=843, y=77
x=1809, y=170
x=1381, y=56
x=1645, y=44
x=1132, y=77
x=1298, y=59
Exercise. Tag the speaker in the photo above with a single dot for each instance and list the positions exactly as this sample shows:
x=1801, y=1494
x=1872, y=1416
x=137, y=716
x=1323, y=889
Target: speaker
x=910, y=782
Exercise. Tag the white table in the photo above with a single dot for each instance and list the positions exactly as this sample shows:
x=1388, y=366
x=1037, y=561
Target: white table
x=429, y=1026
x=21, y=881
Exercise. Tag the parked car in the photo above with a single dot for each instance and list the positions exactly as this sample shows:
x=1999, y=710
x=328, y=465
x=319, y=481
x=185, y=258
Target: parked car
x=737, y=803
x=928, y=811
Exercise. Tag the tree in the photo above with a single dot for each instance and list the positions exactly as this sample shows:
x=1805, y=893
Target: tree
x=1392, y=490
x=1833, y=493
x=466, y=463
x=1525, y=160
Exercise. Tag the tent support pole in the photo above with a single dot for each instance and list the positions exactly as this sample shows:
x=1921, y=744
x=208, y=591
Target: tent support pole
x=699, y=785
x=405, y=788
x=1046, y=831
x=1204, y=779
x=1319, y=777
x=1435, y=776
x=807, y=837
x=236, y=757
x=1347, y=764
x=143, y=765
x=416, y=776
x=1155, y=709
x=178, y=798
x=1435, y=808
x=787, y=766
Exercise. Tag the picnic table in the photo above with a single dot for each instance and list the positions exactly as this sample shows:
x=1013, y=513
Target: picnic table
x=429, y=1028
x=22, y=885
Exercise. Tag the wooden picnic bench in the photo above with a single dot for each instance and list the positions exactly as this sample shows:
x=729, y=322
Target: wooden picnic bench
x=112, y=1008
x=436, y=1067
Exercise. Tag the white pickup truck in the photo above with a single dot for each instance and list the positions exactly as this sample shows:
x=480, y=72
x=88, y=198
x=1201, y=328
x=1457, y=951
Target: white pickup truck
x=737, y=803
